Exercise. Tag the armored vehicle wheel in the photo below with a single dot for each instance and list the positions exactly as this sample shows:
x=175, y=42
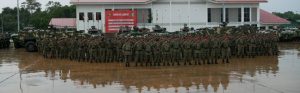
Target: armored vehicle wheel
x=30, y=46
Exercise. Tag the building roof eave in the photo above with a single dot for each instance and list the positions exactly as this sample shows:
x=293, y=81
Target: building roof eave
x=77, y=2
x=275, y=23
x=238, y=1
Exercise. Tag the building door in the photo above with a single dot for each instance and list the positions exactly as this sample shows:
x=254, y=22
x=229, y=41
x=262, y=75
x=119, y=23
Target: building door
x=114, y=19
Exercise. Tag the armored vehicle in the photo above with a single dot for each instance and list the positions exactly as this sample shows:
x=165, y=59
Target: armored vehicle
x=94, y=31
x=25, y=40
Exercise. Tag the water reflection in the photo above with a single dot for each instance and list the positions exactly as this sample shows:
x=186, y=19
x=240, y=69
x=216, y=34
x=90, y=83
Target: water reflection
x=205, y=77
x=259, y=75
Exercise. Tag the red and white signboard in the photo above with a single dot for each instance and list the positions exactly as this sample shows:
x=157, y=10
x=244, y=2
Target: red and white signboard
x=114, y=19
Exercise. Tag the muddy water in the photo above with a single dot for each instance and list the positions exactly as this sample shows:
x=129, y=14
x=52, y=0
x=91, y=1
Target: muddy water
x=22, y=72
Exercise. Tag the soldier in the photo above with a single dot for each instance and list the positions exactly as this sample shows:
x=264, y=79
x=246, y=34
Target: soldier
x=103, y=50
x=52, y=48
x=225, y=50
x=274, y=39
x=197, y=52
x=187, y=52
x=73, y=48
x=240, y=47
x=127, y=52
x=164, y=48
x=217, y=49
x=99, y=50
x=118, y=51
x=92, y=50
x=176, y=54
x=156, y=51
x=205, y=50
x=139, y=52
x=45, y=47
x=110, y=50
x=251, y=47
x=148, y=53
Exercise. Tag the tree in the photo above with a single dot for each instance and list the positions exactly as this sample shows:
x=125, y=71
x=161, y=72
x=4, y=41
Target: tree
x=289, y=15
x=31, y=14
x=31, y=5
x=56, y=10
x=9, y=19
x=53, y=4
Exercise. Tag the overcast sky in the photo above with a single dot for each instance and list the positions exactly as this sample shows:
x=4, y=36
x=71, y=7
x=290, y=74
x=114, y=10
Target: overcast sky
x=272, y=5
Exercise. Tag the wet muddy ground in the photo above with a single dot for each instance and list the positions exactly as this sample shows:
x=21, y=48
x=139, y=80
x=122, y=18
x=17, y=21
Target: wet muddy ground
x=23, y=72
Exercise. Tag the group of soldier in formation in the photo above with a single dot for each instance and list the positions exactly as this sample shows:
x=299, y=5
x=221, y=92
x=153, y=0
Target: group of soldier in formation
x=4, y=41
x=207, y=46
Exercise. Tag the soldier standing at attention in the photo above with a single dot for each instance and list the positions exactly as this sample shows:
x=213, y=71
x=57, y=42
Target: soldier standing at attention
x=240, y=46
x=187, y=49
x=166, y=53
x=175, y=52
x=148, y=52
x=138, y=52
x=127, y=53
x=197, y=52
x=225, y=49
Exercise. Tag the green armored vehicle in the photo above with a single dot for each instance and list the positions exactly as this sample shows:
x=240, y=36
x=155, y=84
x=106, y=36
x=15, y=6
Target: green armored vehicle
x=25, y=40
x=291, y=35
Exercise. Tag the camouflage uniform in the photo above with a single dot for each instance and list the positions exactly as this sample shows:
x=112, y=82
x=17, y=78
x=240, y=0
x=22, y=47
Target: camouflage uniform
x=148, y=53
x=176, y=54
x=127, y=53
x=166, y=53
x=225, y=50
x=241, y=49
x=139, y=53
x=187, y=52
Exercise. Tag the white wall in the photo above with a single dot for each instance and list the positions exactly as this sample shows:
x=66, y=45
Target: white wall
x=253, y=6
x=86, y=24
x=163, y=14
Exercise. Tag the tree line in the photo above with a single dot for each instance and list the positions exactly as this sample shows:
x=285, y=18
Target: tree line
x=294, y=18
x=32, y=15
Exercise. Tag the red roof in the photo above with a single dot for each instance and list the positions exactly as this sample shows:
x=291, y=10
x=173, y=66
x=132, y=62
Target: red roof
x=146, y=1
x=108, y=1
x=269, y=18
x=63, y=22
x=240, y=1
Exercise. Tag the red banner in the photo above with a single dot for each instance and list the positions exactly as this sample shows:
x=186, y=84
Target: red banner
x=114, y=19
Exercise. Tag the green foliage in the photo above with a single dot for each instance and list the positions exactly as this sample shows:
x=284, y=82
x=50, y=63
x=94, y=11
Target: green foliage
x=31, y=14
x=291, y=16
x=31, y=5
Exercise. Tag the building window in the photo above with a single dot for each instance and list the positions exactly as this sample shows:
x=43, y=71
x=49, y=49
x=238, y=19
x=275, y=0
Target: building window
x=90, y=16
x=222, y=12
x=239, y=15
x=81, y=16
x=150, y=18
x=144, y=16
x=209, y=15
x=98, y=15
x=227, y=15
x=246, y=14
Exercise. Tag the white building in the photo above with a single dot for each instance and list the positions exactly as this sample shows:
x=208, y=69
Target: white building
x=109, y=15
